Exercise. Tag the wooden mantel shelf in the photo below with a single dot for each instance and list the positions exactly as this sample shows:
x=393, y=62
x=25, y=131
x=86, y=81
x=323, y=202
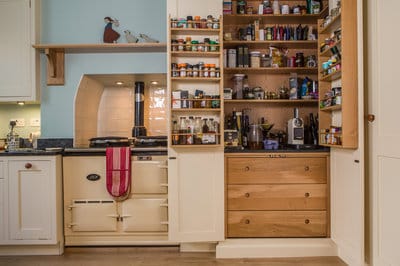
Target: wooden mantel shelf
x=55, y=54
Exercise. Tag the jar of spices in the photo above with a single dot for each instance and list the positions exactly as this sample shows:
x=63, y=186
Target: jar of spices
x=232, y=58
x=201, y=69
x=215, y=23
x=189, y=71
x=181, y=45
x=206, y=70
x=197, y=102
x=268, y=36
x=174, y=23
x=208, y=101
x=212, y=71
x=182, y=69
x=175, y=70
x=215, y=102
x=265, y=60
x=194, y=46
x=209, y=22
x=203, y=23
x=188, y=46
x=213, y=46
x=174, y=45
x=197, y=22
x=255, y=59
x=195, y=71
x=200, y=47
x=189, y=21
x=217, y=72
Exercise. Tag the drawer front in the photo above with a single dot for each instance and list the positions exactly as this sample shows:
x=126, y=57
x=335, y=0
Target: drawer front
x=93, y=216
x=276, y=170
x=277, y=224
x=145, y=215
x=277, y=197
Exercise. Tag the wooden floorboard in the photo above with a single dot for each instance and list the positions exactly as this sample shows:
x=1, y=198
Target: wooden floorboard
x=153, y=256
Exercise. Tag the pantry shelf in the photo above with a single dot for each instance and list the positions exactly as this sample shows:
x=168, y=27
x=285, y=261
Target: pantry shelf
x=266, y=44
x=331, y=108
x=333, y=25
x=195, y=54
x=277, y=101
x=272, y=19
x=196, y=79
x=333, y=76
x=195, y=109
x=193, y=31
x=328, y=52
x=273, y=70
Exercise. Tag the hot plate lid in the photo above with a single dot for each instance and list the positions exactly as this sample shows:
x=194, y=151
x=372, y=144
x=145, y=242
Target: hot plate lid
x=109, y=141
x=146, y=141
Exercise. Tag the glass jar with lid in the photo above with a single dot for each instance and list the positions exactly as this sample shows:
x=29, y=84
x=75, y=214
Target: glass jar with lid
x=255, y=59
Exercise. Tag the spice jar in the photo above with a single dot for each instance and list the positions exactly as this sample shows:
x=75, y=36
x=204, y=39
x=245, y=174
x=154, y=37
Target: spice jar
x=182, y=69
x=174, y=45
x=194, y=46
x=255, y=59
x=195, y=71
x=206, y=71
x=209, y=22
x=197, y=22
x=213, y=46
x=189, y=71
x=215, y=23
x=181, y=45
x=212, y=70
x=265, y=60
x=299, y=60
x=188, y=46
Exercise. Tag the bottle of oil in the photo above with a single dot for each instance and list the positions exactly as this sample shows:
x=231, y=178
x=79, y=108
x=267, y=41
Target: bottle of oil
x=12, y=138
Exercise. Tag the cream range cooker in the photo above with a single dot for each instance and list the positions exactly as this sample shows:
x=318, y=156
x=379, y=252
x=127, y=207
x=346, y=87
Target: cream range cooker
x=93, y=217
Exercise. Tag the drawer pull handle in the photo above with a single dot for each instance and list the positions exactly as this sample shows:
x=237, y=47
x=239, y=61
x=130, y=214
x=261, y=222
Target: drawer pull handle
x=307, y=195
x=306, y=221
x=28, y=166
x=247, y=195
x=247, y=221
x=247, y=168
x=307, y=168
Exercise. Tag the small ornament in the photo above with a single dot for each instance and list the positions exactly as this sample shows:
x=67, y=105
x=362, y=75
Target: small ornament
x=110, y=35
x=130, y=38
x=147, y=38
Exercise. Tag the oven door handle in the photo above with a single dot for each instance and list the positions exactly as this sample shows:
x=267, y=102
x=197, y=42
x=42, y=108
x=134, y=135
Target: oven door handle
x=162, y=166
x=164, y=205
x=163, y=185
x=164, y=223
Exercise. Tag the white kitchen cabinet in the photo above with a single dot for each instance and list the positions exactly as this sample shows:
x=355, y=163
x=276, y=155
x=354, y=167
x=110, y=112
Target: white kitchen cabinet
x=19, y=79
x=33, y=209
x=196, y=195
x=2, y=202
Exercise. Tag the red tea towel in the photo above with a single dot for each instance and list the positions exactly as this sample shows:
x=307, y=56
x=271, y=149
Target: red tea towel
x=118, y=172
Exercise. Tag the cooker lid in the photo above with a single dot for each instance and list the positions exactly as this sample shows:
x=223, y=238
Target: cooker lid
x=109, y=141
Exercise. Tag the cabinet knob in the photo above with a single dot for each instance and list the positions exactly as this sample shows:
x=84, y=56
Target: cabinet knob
x=371, y=118
x=306, y=221
x=28, y=166
x=307, y=195
x=247, y=168
x=247, y=195
x=247, y=221
x=307, y=168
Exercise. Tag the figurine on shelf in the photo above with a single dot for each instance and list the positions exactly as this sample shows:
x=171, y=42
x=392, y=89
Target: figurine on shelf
x=130, y=38
x=147, y=38
x=110, y=35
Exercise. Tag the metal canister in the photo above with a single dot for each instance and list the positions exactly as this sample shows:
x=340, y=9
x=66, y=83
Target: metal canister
x=232, y=58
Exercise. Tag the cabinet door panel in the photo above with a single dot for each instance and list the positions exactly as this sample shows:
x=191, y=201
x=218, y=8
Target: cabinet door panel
x=277, y=197
x=31, y=192
x=93, y=216
x=149, y=176
x=2, y=211
x=277, y=223
x=275, y=170
x=144, y=215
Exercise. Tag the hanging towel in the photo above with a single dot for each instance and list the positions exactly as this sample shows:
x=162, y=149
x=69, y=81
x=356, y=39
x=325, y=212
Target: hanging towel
x=118, y=172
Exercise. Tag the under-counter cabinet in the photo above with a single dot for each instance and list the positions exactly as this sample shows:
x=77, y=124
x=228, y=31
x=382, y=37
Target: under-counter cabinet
x=277, y=195
x=31, y=200
x=2, y=201
x=19, y=60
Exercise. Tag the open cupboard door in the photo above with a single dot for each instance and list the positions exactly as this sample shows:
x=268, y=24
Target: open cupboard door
x=384, y=145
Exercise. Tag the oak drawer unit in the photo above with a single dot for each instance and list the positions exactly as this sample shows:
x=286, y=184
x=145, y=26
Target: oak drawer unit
x=277, y=195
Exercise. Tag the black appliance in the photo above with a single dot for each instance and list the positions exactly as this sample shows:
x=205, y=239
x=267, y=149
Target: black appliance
x=138, y=129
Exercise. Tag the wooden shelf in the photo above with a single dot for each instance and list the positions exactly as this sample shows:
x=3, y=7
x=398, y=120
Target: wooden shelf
x=266, y=44
x=331, y=108
x=195, y=54
x=277, y=101
x=55, y=54
x=333, y=76
x=327, y=52
x=194, y=31
x=197, y=145
x=332, y=26
x=272, y=70
x=273, y=19
x=196, y=79
x=195, y=109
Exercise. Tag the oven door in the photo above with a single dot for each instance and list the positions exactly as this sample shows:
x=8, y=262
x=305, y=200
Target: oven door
x=149, y=175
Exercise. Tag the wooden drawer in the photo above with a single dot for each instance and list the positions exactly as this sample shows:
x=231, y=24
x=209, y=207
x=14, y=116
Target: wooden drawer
x=258, y=170
x=277, y=197
x=277, y=224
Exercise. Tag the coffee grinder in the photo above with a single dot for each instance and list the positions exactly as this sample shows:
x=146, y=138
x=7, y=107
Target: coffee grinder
x=296, y=129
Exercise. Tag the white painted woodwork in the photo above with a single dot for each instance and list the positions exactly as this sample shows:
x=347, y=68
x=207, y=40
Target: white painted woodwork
x=196, y=196
x=384, y=132
x=19, y=60
x=196, y=176
x=30, y=199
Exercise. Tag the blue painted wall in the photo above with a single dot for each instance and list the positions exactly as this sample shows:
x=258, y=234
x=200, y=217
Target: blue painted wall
x=81, y=21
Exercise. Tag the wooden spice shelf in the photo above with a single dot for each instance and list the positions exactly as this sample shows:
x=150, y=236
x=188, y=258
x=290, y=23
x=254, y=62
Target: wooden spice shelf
x=312, y=101
x=195, y=54
x=55, y=54
x=195, y=109
x=333, y=76
x=333, y=25
x=331, y=108
x=265, y=44
x=272, y=70
x=193, y=31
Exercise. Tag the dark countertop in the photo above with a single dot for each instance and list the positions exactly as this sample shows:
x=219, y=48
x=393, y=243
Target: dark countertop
x=30, y=152
x=286, y=149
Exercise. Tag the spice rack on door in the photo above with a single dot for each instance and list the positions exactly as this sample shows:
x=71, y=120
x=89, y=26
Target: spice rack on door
x=338, y=81
x=186, y=82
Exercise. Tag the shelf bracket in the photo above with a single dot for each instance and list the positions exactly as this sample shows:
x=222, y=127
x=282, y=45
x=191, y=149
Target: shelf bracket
x=55, y=66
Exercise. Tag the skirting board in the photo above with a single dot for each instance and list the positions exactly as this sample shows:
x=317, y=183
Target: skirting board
x=14, y=250
x=276, y=248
